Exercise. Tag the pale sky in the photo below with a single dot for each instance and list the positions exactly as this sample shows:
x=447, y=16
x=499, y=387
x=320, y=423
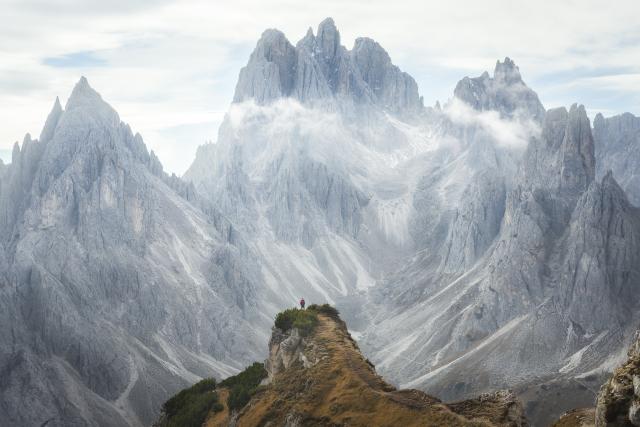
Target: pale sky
x=169, y=67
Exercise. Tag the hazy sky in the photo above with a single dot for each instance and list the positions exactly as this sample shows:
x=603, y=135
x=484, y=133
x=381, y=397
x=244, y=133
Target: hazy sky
x=169, y=67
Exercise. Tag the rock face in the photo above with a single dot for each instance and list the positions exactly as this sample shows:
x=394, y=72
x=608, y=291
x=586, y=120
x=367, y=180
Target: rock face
x=618, y=402
x=115, y=280
x=618, y=149
x=324, y=380
x=549, y=297
x=287, y=349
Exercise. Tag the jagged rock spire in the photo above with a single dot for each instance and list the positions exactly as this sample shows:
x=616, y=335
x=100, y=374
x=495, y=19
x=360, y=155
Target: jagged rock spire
x=617, y=141
x=578, y=162
x=83, y=95
x=319, y=68
x=505, y=92
x=270, y=72
x=561, y=162
x=328, y=39
x=52, y=121
x=507, y=72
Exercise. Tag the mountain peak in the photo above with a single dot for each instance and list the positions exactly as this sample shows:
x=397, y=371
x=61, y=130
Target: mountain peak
x=507, y=71
x=563, y=160
x=52, y=121
x=270, y=72
x=320, y=68
x=270, y=36
x=327, y=24
x=83, y=95
x=328, y=38
x=15, y=153
x=505, y=92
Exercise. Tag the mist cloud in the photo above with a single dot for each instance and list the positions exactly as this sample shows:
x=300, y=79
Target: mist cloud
x=508, y=133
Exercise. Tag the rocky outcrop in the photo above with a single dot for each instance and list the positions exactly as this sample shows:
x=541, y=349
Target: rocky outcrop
x=618, y=402
x=323, y=379
x=505, y=92
x=270, y=72
x=287, y=349
x=617, y=142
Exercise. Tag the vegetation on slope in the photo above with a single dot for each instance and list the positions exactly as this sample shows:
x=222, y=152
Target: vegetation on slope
x=244, y=385
x=338, y=386
x=189, y=408
x=328, y=382
x=304, y=320
x=326, y=309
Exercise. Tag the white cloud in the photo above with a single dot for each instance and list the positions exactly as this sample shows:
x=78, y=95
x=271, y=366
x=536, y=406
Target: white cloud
x=615, y=82
x=181, y=58
x=513, y=134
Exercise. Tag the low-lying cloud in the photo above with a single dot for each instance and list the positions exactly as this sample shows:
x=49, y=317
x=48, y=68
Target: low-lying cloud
x=508, y=133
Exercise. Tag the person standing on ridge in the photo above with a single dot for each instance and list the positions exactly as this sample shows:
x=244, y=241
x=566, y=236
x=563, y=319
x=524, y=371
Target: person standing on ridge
x=302, y=303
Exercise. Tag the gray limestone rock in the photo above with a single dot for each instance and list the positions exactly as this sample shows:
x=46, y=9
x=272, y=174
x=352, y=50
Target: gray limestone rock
x=617, y=142
x=505, y=92
x=552, y=296
x=320, y=70
x=115, y=288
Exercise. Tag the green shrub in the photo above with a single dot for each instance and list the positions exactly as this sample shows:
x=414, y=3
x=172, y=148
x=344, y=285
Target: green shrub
x=244, y=385
x=326, y=309
x=189, y=408
x=238, y=397
x=303, y=320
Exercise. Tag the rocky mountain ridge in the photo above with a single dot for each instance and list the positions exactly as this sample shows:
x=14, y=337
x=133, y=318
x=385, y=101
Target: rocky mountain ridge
x=115, y=285
x=471, y=247
x=319, y=377
x=320, y=69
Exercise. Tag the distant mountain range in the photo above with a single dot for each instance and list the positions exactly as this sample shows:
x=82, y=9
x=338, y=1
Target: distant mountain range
x=483, y=244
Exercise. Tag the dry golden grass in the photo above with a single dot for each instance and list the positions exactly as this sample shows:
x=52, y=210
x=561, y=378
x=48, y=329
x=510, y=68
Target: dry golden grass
x=344, y=389
x=577, y=418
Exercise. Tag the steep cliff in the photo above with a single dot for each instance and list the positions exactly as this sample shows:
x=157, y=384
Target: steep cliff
x=618, y=402
x=617, y=141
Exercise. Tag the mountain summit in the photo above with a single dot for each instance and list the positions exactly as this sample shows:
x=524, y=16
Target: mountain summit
x=319, y=69
x=505, y=92
x=113, y=290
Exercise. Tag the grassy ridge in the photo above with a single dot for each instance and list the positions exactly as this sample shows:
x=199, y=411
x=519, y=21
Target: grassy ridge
x=304, y=320
x=189, y=408
x=244, y=385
